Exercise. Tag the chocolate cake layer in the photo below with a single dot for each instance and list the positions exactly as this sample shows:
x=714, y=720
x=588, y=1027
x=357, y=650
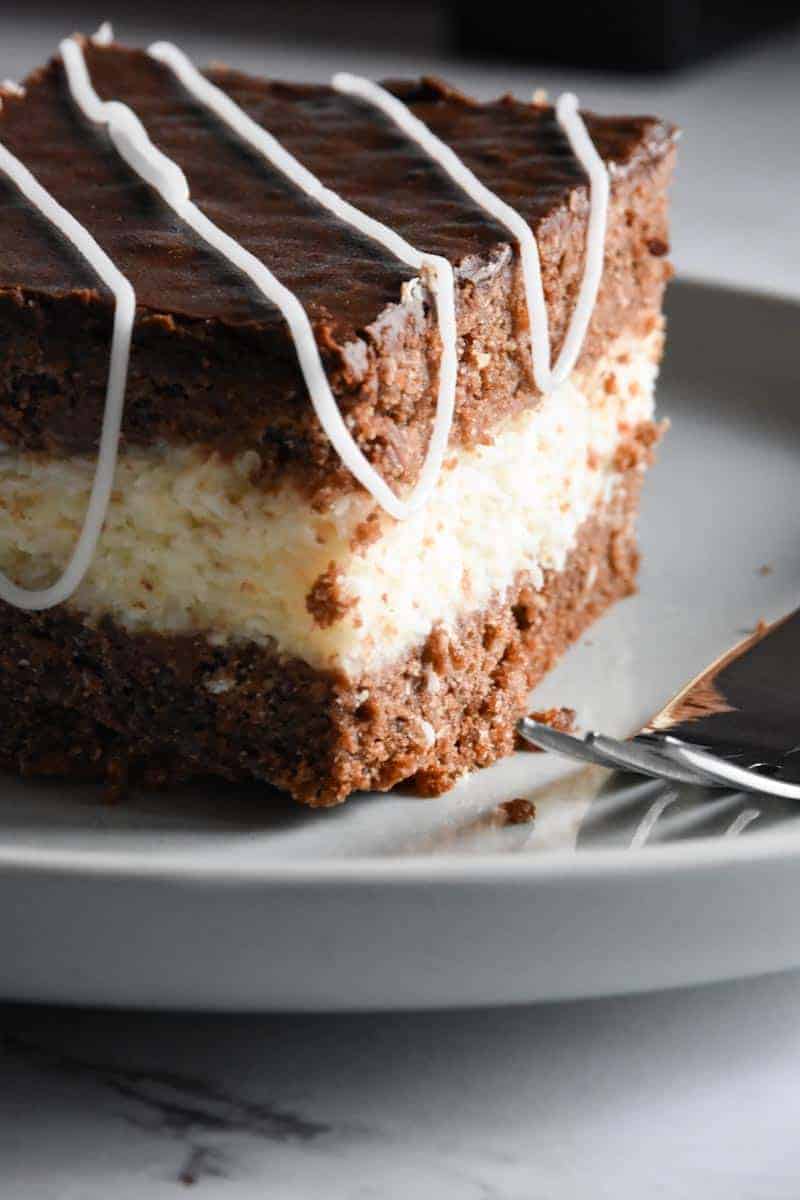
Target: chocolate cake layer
x=213, y=363
x=98, y=703
x=190, y=546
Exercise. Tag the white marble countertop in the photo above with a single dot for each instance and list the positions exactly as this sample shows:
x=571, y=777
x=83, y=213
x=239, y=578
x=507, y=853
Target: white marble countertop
x=689, y=1094
x=685, y=1095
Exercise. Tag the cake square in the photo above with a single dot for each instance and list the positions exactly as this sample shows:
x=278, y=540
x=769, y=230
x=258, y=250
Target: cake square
x=251, y=610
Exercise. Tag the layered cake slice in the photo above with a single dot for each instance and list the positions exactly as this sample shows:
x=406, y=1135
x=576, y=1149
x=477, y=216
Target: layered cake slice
x=382, y=362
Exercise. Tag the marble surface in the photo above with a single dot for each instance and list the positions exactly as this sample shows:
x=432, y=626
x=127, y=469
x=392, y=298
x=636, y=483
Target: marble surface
x=686, y=1094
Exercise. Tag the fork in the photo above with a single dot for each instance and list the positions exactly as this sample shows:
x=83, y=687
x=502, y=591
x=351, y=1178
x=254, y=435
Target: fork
x=736, y=725
x=661, y=756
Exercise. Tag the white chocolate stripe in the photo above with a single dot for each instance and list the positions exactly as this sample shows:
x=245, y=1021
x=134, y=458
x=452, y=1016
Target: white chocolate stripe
x=221, y=104
x=166, y=177
x=570, y=120
x=34, y=600
x=103, y=35
x=546, y=376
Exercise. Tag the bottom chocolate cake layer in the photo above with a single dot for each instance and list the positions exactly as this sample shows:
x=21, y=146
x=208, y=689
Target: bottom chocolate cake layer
x=95, y=702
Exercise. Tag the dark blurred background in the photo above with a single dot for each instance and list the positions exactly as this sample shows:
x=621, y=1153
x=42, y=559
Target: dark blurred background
x=612, y=35
x=625, y=35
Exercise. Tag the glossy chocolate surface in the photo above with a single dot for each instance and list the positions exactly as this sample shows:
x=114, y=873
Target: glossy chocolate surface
x=212, y=361
x=517, y=149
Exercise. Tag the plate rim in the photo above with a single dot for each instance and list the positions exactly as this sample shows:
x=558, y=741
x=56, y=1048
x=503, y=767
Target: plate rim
x=199, y=866
x=195, y=868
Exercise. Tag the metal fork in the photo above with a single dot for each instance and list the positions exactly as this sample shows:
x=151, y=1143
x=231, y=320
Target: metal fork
x=735, y=725
x=662, y=756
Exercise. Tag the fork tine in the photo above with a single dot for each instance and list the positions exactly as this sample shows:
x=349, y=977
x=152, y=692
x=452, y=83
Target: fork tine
x=608, y=752
x=645, y=760
x=668, y=759
x=727, y=773
x=563, y=743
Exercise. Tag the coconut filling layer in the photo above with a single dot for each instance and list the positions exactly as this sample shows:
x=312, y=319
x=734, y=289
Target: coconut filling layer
x=191, y=546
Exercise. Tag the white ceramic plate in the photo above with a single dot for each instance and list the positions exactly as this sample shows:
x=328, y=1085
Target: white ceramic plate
x=212, y=900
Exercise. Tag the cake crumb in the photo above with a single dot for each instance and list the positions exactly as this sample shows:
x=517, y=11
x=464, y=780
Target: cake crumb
x=765, y=569
x=658, y=247
x=326, y=602
x=637, y=450
x=518, y=811
x=435, y=653
x=560, y=719
x=365, y=533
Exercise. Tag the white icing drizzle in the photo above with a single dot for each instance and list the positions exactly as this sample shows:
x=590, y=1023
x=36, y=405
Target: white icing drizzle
x=34, y=600
x=166, y=177
x=547, y=377
x=434, y=266
x=103, y=35
x=570, y=120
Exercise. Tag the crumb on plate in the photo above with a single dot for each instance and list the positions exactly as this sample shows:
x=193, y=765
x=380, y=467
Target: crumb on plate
x=518, y=811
